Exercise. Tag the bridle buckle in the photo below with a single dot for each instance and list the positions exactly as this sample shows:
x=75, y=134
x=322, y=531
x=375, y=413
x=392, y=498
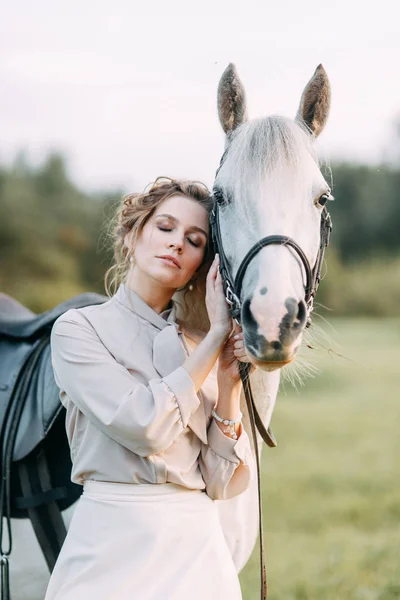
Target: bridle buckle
x=230, y=296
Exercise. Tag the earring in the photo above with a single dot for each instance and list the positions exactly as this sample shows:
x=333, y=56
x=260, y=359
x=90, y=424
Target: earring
x=190, y=287
x=131, y=259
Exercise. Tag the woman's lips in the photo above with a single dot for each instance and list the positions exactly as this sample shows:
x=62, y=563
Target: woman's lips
x=170, y=261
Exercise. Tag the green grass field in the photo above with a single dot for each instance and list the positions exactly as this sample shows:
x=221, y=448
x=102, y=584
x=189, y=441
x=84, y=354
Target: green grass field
x=331, y=489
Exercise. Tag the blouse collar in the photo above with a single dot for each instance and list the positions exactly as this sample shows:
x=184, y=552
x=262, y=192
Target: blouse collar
x=137, y=305
x=168, y=349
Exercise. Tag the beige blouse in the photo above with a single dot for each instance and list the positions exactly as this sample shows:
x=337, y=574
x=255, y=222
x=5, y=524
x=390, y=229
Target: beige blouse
x=133, y=415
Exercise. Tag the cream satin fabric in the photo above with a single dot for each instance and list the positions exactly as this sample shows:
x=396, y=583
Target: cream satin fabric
x=144, y=542
x=168, y=354
x=133, y=414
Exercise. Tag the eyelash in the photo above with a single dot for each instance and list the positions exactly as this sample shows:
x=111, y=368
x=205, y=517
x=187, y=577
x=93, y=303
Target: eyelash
x=188, y=239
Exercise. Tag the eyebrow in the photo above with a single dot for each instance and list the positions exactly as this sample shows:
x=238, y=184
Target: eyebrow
x=193, y=227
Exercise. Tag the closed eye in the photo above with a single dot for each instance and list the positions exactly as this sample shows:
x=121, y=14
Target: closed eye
x=188, y=239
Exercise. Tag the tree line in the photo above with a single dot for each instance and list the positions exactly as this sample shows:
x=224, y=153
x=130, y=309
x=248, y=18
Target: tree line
x=53, y=241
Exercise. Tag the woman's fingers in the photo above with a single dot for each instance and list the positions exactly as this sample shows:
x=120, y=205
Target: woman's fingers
x=210, y=280
x=214, y=283
x=238, y=330
x=240, y=351
x=218, y=281
x=212, y=271
x=217, y=307
x=241, y=355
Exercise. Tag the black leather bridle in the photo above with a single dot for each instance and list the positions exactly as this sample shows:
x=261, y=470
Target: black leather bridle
x=233, y=289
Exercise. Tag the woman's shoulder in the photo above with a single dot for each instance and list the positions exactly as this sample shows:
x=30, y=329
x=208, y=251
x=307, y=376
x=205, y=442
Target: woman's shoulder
x=82, y=317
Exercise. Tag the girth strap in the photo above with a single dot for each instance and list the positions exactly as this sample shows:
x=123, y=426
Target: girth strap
x=5, y=578
x=46, y=519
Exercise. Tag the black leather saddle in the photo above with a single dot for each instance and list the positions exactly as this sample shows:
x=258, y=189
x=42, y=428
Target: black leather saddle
x=35, y=457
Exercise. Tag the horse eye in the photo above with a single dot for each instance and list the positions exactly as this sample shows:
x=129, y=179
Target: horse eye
x=219, y=197
x=322, y=200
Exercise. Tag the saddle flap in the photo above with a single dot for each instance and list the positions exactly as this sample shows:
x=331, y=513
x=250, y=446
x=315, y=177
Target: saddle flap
x=13, y=357
x=18, y=323
x=41, y=408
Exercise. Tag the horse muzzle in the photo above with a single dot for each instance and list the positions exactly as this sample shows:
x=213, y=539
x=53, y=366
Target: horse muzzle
x=272, y=340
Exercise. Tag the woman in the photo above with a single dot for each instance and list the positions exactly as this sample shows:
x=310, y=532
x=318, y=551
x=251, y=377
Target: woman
x=148, y=406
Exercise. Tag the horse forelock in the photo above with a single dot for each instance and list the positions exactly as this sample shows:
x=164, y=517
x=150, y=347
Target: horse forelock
x=272, y=152
x=271, y=141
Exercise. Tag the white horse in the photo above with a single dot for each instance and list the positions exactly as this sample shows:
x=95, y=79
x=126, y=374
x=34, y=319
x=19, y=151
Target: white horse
x=270, y=183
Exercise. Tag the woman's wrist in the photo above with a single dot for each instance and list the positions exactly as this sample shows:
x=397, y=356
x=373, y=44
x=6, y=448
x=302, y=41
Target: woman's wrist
x=228, y=406
x=229, y=427
x=231, y=384
x=218, y=334
x=200, y=362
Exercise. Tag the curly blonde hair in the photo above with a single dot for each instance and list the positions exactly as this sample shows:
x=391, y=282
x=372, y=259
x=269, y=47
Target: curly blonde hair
x=133, y=213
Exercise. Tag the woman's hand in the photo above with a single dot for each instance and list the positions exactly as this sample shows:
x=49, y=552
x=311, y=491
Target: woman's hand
x=217, y=308
x=231, y=354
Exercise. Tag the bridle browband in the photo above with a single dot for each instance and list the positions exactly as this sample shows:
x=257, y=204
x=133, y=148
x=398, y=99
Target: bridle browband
x=233, y=289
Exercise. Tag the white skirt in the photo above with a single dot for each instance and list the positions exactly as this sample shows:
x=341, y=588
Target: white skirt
x=147, y=542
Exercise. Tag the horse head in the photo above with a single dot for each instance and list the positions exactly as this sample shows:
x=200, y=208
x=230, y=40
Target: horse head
x=270, y=199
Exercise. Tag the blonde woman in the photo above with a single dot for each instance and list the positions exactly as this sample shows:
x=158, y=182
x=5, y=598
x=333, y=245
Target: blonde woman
x=153, y=415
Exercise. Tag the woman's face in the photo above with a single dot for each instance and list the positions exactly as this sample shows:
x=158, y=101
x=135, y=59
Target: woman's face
x=171, y=246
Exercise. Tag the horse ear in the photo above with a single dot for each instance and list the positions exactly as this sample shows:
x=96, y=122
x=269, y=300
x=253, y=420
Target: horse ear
x=231, y=100
x=315, y=102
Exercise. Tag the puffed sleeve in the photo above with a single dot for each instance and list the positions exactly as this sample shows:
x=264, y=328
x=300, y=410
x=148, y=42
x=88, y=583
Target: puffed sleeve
x=226, y=464
x=146, y=419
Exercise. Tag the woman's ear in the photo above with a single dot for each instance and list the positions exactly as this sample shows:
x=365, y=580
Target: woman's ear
x=128, y=242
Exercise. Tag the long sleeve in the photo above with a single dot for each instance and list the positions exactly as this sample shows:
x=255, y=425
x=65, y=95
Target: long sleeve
x=146, y=419
x=225, y=464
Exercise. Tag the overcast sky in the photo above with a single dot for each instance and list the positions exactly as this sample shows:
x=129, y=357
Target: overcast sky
x=127, y=89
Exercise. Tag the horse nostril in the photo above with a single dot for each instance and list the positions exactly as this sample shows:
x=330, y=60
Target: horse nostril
x=247, y=317
x=294, y=320
x=302, y=312
x=296, y=313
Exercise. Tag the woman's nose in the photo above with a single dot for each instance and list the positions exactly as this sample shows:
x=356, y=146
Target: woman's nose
x=177, y=244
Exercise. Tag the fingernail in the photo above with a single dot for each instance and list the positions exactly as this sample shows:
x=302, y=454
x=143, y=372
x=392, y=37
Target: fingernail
x=237, y=336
